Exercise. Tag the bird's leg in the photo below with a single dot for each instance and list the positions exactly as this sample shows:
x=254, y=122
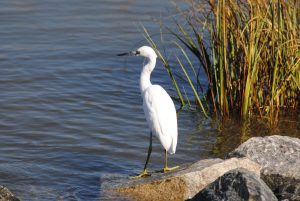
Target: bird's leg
x=166, y=168
x=145, y=172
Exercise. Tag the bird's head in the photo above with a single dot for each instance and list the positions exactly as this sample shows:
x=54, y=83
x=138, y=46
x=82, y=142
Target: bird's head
x=144, y=51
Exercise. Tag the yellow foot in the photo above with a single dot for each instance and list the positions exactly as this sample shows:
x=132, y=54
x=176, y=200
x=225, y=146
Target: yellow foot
x=166, y=169
x=143, y=174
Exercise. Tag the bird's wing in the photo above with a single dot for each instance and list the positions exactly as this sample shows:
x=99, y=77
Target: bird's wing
x=161, y=116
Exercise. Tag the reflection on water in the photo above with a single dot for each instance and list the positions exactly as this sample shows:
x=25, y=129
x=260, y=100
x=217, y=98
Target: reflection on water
x=232, y=133
x=70, y=109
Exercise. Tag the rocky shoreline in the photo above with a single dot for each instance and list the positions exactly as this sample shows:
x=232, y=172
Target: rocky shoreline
x=262, y=168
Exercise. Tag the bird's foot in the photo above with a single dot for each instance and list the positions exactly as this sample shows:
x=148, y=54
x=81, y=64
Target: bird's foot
x=143, y=174
x=166, y=169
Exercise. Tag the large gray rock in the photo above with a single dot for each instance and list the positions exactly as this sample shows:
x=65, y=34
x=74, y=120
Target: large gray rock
x=238, y=185
x=181, y=184
x=6, y=195
x=279, y=157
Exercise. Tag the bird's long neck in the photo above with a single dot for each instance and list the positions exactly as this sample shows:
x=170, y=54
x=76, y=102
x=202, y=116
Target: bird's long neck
x=146, y=73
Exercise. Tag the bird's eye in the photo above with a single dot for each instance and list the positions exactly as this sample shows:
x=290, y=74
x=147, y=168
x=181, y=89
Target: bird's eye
x=137, y=52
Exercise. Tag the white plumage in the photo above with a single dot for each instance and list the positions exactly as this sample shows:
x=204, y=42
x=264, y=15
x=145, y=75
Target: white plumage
x=161, y=116
x=158, y=107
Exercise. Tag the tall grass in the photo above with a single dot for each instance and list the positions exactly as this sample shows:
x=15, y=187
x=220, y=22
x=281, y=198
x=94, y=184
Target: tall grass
x=249, y=52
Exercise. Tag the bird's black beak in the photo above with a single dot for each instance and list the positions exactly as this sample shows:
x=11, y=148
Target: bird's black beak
x=132, y=53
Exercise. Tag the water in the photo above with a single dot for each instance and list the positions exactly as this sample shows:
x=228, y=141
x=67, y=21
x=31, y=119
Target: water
x=70, y=110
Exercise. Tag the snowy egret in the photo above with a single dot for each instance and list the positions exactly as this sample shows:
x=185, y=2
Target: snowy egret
x=158, y=107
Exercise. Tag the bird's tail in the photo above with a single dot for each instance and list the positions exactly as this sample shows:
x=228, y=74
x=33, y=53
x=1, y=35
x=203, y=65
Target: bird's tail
x=172, y=148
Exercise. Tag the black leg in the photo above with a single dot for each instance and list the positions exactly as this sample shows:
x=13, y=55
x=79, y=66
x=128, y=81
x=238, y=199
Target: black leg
x=145, y=173
x=166, y=159
x=149, y=152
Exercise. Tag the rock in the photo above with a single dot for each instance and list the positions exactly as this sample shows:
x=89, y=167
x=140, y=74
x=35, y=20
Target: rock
x=6, y=195
x=238, y=184
x=181, y=184
x=279, y=157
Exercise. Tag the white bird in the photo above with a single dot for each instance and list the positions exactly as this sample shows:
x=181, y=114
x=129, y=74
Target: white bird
x=158, y=107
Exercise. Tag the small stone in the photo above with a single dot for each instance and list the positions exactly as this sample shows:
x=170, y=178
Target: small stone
x=6, y=195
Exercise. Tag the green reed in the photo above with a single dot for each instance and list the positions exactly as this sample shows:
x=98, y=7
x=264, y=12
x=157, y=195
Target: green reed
x=249, y=51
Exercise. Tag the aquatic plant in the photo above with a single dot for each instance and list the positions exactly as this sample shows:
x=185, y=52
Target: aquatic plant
x=249, y=52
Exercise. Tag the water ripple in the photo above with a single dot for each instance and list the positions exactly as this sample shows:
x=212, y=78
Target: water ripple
x=70, y=109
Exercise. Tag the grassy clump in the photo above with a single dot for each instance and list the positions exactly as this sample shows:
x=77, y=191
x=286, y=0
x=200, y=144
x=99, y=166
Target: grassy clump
x=249, y=52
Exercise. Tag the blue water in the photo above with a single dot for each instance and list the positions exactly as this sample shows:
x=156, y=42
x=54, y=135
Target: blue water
x=70, y=110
